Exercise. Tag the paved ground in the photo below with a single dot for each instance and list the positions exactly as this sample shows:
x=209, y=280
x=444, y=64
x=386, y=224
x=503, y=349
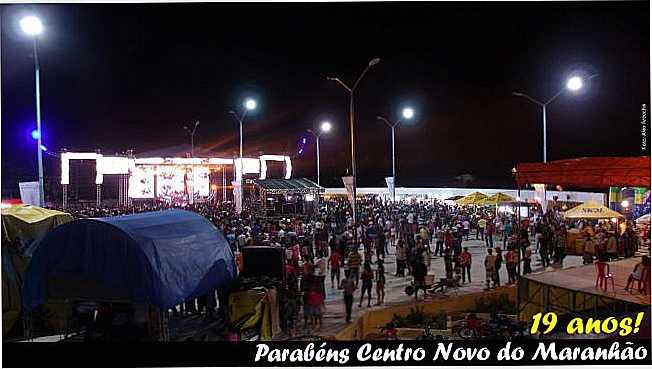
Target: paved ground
x=334, y=313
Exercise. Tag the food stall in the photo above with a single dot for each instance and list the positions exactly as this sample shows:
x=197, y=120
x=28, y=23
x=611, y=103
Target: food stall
x=588, y=211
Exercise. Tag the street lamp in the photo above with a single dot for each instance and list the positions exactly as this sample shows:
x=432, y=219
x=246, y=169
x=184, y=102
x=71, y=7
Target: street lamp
x=249, y=104
x=573, y=84
x=33, y=27
x=191, y=132
x=407, y=113
x=325, y=127
x=351, y=91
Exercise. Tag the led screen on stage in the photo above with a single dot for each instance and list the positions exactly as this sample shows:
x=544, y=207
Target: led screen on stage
x=170, y=182
x=141, y=182
x=201, y=181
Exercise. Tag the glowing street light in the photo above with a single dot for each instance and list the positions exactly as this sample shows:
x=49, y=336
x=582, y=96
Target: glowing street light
x=408, y=114
x=573, y=84
x=33, y=27
x=351, y=91
x=324, y=127
x=249, y=104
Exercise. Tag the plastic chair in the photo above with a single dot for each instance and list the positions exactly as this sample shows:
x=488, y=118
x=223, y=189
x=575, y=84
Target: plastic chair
x=643, y=282
x=602, y=269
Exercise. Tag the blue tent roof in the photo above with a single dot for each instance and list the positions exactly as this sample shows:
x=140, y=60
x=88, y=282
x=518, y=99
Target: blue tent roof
x=161, y=258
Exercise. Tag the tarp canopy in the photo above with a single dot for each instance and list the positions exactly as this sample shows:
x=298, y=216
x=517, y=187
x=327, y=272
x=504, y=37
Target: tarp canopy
x=474, y=198
x=645, y=219
x=29, y=224
x=591, y=210
x=23, y=227
x=158, y=258
x=587, y=172
x=498, y=198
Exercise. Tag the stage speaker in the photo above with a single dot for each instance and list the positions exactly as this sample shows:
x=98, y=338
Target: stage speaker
x=258, y=261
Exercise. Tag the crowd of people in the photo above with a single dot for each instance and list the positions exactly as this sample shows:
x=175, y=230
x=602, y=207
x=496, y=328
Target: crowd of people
x=320, y=247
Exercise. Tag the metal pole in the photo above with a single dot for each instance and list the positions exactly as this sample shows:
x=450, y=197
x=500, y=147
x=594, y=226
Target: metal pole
x=317, y=160
x=545, y=149
x=241, y=168
x=393, y=167
x=355, y=216
x=38, y=127
x=223, y=184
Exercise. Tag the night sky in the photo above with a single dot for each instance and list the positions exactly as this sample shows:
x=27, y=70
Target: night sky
x=123, y=76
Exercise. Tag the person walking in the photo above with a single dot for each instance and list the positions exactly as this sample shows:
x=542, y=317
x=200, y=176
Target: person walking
x=439, y=242
x=348, y=285
x=467, y=228
x=527, y=259
x=507, y=232
x=465, y=261
x=489, y=267
x=367, y=283
x=419, y=274
x=498, y=263
x=489, y=234
x=355, y=259
x=334, y=264
x=401, y=257
x=380, y=283
x=511, y=260
x=482, y=224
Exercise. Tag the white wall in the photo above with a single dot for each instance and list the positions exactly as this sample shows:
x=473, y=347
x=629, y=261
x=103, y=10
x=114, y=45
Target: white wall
x=444, y=193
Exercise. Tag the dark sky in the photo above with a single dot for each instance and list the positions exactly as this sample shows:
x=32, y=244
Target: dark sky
x=125, y=76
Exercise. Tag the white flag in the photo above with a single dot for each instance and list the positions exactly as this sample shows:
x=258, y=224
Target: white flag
x=540, y=195
x=348, y=183
x=236, y=196
x=390, y=185
x=29, y=193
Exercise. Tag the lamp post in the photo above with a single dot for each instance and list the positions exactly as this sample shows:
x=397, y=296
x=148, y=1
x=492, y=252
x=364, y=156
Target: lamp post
x=191, y=132
x=573, y=84
x=249, y=104
x=33, y=27
x=325, y=127
x=351, y=91
x=408, y=113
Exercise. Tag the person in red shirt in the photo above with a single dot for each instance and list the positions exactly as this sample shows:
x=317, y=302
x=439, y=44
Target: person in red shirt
x=448, y=240
x=334, y=264
x=489, y=233
x=465, y=262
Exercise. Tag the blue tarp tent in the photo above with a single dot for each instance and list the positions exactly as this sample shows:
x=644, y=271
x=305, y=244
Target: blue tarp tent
x=158, y=258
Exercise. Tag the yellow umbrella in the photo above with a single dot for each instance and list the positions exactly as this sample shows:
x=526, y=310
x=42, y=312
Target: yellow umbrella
x=591, y=210
x=498, y=198
x=472, y=199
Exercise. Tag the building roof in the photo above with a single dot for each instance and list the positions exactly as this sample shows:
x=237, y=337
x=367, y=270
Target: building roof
x=282, y=186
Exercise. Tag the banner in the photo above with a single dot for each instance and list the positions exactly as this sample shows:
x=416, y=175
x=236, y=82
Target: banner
x=29, y=193
x=540, y=195
x=236, y=196
x=348, y=183
x=390, y=185
x=639, y=195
